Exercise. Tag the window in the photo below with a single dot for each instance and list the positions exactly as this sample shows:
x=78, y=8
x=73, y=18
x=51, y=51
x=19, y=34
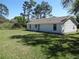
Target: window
x=38, y=26
x=54, y=27
x=30, y=26
x=35, y=25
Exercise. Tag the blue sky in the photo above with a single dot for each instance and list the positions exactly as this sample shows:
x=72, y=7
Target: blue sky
x=15, y=7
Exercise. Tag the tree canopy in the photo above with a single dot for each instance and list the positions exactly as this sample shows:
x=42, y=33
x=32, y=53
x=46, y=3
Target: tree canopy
x=74, y=4
x=32, y=9
x=42, y=10
x=27, y=8
x=3, y=10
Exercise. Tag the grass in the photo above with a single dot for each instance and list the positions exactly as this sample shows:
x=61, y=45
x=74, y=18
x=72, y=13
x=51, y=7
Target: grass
x=19, y=44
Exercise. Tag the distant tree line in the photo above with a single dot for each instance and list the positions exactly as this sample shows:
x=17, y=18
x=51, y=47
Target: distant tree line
x=33, y=10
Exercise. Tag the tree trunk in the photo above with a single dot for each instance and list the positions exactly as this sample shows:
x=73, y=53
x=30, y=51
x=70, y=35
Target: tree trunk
x=39, y=16
x=44, y=16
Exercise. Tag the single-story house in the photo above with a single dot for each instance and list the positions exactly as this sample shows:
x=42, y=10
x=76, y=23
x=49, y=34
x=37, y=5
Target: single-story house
x=54, y=25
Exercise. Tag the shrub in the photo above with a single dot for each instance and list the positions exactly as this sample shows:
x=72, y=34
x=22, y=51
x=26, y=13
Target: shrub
x=9, y=25
x=16, y=25
x=6, y=25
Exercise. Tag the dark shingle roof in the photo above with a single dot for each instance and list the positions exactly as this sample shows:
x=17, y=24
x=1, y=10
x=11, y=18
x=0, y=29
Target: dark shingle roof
x=54, y=20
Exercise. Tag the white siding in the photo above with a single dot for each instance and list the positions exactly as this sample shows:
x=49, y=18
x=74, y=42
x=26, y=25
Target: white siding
x=28, y=27
x=32, y=27
x=69, y=26
x=45, y=28
x=49, y=28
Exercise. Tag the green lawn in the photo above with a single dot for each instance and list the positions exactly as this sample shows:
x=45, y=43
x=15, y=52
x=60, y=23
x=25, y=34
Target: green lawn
x=20, y=44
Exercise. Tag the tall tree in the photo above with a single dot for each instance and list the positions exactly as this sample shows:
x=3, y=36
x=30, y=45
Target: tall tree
x=77, y=18
x=42, y=10
x=28, y=7
x=74, y=5
x=37, y=11
x=3, y=10
x=66, y=2
x=46, y=9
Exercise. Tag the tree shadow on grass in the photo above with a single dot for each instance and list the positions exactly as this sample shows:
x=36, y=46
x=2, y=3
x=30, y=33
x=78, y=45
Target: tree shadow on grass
x=35, y=39
x=52, y=45
x=62, y=47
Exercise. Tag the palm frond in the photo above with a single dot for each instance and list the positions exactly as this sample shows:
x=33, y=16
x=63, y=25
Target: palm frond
x=66, y=3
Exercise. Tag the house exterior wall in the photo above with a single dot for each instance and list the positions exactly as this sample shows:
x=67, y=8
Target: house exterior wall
x=45, y=28
x=49, y=28
x=28, y=27
x=32, y=27
x=68, y=27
